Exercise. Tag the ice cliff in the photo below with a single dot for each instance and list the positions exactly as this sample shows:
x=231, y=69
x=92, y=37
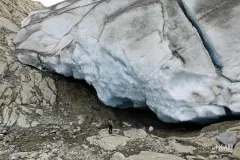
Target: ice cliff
x=139, y=53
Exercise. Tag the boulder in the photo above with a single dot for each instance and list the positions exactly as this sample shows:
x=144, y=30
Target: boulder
x=118, y=156
x=144, y=155
x=135, y=134
x=182, y=148
x=108, y=142
x=228, y=138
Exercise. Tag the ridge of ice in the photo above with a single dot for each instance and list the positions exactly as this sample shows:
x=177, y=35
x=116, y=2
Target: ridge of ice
x=135, y=54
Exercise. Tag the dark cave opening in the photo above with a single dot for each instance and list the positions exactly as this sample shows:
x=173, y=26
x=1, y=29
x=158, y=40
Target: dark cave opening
x=138, y=117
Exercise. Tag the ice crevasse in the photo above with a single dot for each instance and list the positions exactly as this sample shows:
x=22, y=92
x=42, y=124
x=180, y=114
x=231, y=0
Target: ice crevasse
x=161, y=54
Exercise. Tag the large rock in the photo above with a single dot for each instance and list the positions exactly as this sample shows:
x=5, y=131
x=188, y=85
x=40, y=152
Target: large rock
x=135, y=134
x=135, y=53
x=228, y=138
x=144, y=155
x=182, y=148
x=108, y=142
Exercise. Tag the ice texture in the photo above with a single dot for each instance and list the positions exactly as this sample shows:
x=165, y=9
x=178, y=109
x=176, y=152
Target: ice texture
x=136, y=53
x=218, y=22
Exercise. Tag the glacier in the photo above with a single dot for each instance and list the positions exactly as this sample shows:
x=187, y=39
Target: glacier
x=136, y=53
x=219, y=22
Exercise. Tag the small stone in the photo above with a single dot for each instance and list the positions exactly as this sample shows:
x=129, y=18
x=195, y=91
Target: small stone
x=85, y=146
x=213, y=152
x=4, y=131
x=66, y=127
x=22, y=121
x=200, y=157
x=213, y=157
x=71, y=123
x=191, y=157
x=34, y=124
x=151, y=129
x=56, y=127
x=76, y=130
x=44, y=134
x=99, y=125
x=65, y=113
x=39, y=111
x=54, y=131
x=81, y=119
x=118, y=156
x=127, y=124
x=195, y=157
x=25, y=109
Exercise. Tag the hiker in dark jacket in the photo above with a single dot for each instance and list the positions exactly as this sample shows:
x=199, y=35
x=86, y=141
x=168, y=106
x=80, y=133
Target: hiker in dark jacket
x=110, y=126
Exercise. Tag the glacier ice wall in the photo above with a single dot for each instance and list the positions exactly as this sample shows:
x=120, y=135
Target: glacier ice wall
x=219, y=22
x=136, y=53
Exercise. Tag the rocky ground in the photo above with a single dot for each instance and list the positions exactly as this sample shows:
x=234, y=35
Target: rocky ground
x=48, y=117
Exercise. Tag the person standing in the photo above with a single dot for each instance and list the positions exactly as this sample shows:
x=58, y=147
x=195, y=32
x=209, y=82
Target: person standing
x=110, y=126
